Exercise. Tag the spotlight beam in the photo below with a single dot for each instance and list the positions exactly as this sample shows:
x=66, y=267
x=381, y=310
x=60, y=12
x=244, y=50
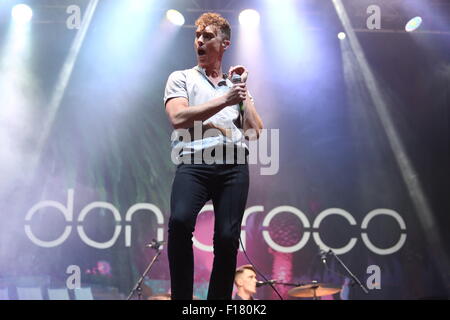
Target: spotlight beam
x=21, y=13
x=19, y=91
x=407, y=170
x=63, y=80
x=175, y=17
x=249, y=18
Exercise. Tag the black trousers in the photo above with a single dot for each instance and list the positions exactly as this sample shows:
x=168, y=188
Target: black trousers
x=195, y=184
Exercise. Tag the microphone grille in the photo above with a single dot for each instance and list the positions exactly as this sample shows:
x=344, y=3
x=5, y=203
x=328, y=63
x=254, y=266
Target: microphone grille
x=236, y=78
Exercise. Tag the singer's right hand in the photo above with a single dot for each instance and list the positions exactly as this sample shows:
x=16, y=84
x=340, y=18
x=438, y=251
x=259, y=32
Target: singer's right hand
x=236, y=94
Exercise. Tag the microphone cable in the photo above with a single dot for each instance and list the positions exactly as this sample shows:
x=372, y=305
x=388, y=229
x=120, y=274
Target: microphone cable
x=246, y=255
x=256, y=269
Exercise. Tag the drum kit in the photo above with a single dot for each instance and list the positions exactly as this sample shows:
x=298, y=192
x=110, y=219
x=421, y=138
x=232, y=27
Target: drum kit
x=313, y=289
x=309, y=290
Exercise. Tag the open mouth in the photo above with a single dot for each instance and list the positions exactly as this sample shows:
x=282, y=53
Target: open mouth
x=201, y=52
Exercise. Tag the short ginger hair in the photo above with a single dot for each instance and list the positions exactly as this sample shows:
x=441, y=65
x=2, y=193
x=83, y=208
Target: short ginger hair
x=216, y=20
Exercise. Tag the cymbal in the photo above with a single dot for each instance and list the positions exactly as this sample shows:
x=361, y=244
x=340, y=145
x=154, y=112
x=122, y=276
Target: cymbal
x=162, y=296
x=314, y=290
x=166, y=296
x=146, y=290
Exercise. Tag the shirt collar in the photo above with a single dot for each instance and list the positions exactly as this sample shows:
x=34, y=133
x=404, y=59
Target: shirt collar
x=224, y=81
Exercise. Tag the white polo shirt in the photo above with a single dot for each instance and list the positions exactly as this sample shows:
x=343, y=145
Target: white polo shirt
x=194, y=85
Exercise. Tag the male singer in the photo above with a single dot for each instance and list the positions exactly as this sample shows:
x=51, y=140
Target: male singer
x=196, y=100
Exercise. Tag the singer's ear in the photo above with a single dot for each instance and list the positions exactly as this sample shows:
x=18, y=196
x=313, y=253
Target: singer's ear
x=226, y=44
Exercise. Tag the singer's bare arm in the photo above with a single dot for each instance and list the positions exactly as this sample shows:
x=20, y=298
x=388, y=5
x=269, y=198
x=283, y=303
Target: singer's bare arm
x=252, y=120
x=181, y=115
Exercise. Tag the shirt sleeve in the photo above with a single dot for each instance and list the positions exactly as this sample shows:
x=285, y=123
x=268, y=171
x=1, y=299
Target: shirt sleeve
x=175, y=86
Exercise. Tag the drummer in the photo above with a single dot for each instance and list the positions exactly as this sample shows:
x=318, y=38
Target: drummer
x=245, y=281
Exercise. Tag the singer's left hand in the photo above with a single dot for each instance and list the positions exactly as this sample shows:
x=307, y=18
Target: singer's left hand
x=240, y=70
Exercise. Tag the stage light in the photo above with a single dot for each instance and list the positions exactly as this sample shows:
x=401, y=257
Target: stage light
x=342, y=35
x=413, y=24
x=249, y=18
x=175, y=17
x=21, y=13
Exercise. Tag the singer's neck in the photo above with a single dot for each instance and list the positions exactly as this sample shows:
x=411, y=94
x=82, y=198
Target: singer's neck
x=213, y=70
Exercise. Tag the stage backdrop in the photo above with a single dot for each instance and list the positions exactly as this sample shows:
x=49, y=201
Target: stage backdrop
x=86, y=168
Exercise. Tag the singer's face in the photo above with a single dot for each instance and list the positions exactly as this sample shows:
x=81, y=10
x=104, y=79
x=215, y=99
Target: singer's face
x=209, y=45
x=248, y=278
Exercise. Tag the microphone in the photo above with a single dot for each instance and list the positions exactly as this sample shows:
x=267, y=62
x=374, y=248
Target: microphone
x=236, y=78
x=323, y=256
x=155, y=244
x=263, y=283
